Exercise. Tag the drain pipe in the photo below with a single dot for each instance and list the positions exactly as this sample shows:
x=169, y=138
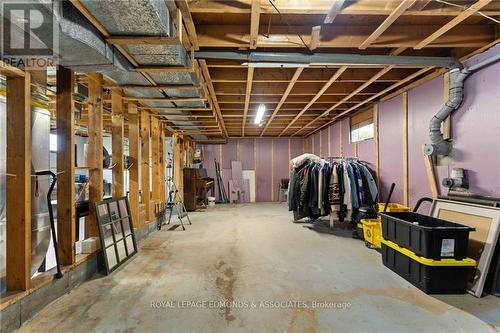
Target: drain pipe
x=438, y=145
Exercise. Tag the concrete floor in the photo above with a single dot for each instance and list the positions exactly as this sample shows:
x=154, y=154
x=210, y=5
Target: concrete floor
x=254, y=253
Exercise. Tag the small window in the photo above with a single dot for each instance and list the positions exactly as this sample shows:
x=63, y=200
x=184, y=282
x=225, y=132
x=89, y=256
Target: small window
x=362, y=127
x=53, y=142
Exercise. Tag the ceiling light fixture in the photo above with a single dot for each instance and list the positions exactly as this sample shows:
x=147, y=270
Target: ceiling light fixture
x=260, y=114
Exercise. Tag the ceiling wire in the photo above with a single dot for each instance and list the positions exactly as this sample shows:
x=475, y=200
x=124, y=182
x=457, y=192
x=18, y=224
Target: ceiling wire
x=468, y=8
x=288, y=24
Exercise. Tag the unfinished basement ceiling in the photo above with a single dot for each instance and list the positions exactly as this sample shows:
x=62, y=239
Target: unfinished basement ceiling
x=299, y=101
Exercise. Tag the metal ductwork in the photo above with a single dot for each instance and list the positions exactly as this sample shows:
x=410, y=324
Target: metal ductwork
x=329, y=59
x=438, y=145
x=83, y=48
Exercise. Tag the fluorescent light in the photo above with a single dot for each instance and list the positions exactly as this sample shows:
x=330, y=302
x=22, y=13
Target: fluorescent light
x=274, y=65
x=260, y=114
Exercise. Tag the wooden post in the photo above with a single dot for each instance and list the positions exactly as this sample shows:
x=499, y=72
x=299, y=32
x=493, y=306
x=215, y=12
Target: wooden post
x=117, y=142
x=133, y=148
x=162, y=164
x=377, y=143
x=145, y=162
x=66, y=233
x=19, y=183
x=406, y=183
x=178, y=163
x=155, y=158
x=95, y=149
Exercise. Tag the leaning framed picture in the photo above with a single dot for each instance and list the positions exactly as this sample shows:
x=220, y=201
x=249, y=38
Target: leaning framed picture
x=116, y=232
x=486, y=221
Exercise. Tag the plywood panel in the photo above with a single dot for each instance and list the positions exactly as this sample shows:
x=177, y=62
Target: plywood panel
x=263, y=169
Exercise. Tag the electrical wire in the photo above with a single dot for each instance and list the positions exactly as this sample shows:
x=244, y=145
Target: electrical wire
x=288, y=24
x=468, y=8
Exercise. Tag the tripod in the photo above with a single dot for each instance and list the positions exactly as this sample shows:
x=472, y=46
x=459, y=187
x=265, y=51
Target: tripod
x=175, y=202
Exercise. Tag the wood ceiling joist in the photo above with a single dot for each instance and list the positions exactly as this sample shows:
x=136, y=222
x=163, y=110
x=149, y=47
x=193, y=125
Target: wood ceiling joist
x=318, y=95
x=403, y=6
x=254, y=23
x=345, y=36
x=345, y=99
x=211, y=90
x=188, y=23
x=381, y=93
x=421, y=4
x=159, y=86
x=143, y=40
x=321, y=7
x=247, y=98
x=452, y=24
x=162, y=99
x=294, y=79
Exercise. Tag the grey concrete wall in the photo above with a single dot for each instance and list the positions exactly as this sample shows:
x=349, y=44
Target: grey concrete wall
x=14, y=315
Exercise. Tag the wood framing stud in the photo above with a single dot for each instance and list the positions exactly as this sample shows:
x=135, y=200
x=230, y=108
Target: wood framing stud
x=66, y=233
x=315, y=37
x=134, y=160
x=95, y=150
x=145, y=163
x=18, y=192
x=406, y=182
x=117, y=137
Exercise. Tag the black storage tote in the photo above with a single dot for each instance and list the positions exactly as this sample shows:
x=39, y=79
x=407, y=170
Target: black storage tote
x=426, y=236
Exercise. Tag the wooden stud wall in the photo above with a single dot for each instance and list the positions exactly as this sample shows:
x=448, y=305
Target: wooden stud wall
x=134, y=159
x=66, y=233
x=145, y=164
x=95, y=150
x=117, y=137
x=18, y=183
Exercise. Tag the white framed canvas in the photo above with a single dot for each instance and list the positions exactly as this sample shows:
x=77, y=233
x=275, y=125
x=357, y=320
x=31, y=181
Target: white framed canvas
x=486, y=221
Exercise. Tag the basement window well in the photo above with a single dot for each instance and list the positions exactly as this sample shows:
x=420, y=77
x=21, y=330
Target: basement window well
x=362, y=127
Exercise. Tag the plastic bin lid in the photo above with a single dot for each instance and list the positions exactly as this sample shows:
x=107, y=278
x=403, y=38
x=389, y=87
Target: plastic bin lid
x=429, y=262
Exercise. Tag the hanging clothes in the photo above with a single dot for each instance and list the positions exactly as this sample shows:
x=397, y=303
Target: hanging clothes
x=309, y=187
x=352, y=186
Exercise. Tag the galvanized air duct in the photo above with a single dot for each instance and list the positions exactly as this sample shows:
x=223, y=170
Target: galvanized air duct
x=329, y=59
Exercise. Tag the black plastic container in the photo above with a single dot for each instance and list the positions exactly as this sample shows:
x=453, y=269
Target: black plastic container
x=430, y=279
x=426, y=236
